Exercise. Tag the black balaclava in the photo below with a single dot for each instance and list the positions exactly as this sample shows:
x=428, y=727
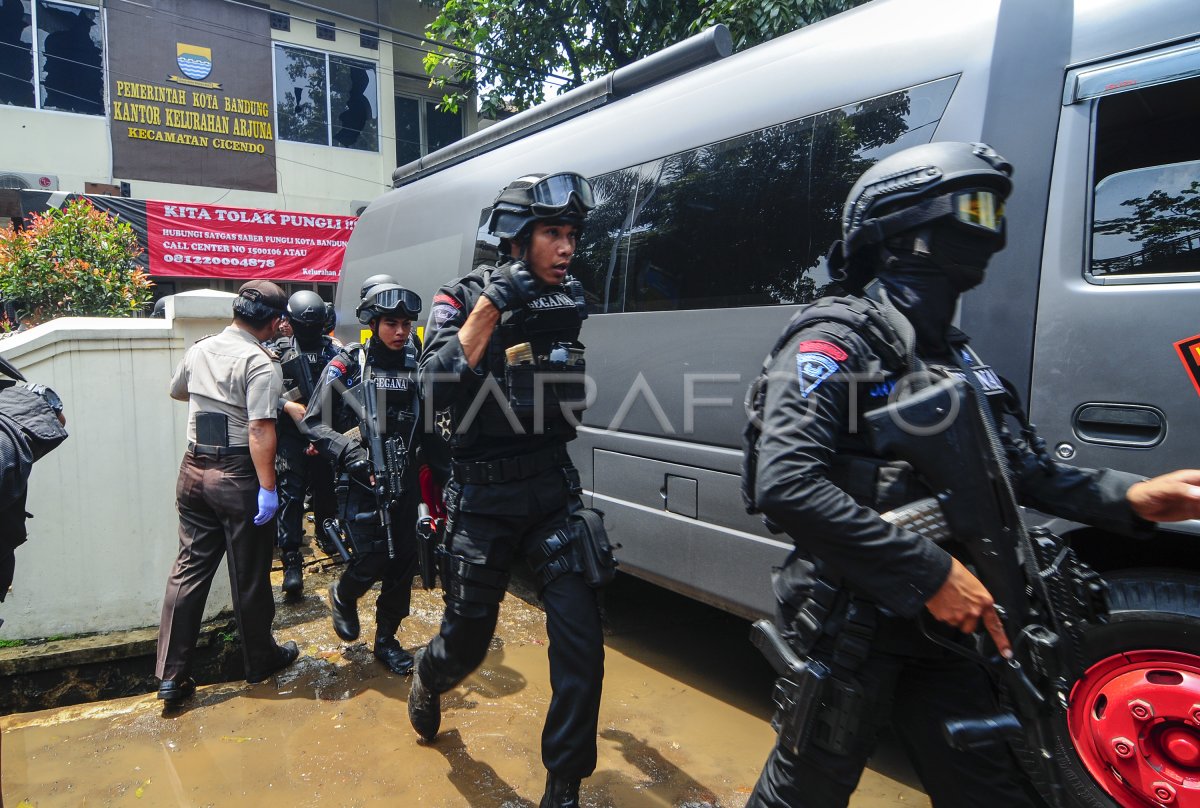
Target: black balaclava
x=308, y=337
x=381, y=356
x=925, y=272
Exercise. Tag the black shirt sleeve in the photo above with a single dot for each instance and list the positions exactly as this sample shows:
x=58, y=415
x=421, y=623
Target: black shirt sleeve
x=801, y=423
x=326, y=416
x=444, y=374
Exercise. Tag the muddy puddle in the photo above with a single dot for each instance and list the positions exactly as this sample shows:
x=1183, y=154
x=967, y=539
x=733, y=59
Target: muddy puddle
x=684, y=722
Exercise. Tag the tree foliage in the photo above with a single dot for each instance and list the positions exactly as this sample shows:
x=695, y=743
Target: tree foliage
x=510, y=49
x=73, y=261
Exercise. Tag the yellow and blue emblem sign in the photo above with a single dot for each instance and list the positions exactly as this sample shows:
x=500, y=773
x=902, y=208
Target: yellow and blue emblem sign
x=193, y=60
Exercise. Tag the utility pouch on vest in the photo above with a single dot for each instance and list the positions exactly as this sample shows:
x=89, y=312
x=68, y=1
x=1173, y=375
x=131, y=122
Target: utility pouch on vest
x=520, y=378
x=212, y=429
x=595, y=551
x=560, y=373
x=567, y=364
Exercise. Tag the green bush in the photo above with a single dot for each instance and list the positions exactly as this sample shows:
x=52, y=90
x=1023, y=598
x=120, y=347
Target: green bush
x=74, y=261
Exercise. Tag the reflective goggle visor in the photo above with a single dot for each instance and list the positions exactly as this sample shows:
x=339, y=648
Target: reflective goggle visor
x=552, y=194
x=979, y=208
x=396, y=301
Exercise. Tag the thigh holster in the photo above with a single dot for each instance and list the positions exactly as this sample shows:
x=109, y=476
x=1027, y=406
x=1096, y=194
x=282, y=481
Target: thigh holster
x=471, y=588
x=554, y=557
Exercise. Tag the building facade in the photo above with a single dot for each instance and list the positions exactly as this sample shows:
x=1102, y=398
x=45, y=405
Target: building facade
x=236, y=109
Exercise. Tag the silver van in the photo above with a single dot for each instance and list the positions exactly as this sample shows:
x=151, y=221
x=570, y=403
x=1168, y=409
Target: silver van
x=719, y=183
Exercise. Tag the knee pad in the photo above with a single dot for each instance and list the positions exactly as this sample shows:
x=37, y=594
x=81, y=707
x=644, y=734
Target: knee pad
x=472, y=589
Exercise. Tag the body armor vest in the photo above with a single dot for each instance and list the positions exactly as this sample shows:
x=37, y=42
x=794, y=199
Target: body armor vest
x=537, y=361
x=397, y=377
x=302, y=365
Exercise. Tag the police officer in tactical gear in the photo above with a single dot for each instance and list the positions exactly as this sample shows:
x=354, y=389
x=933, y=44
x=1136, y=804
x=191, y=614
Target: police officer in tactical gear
x=300, y=469
x=492, y=337
x=388, y=365
x=919, y=228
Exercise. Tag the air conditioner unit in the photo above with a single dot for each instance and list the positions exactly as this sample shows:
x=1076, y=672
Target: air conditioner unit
x=22, y=179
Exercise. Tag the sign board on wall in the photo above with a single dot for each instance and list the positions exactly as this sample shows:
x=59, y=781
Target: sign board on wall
x=190, y=89
x=214, y=241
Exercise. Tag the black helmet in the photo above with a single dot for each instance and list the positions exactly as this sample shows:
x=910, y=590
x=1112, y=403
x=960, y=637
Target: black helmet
x=306, y=309
x=565, y=197
x=384, y=299
x=916, y=186
x=330, y=318
x=373, y=281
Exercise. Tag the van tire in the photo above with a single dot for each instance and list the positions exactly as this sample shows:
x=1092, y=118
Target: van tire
x=1150, y=609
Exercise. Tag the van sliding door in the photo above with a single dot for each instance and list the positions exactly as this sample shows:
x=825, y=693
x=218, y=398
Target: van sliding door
x=1116, y=372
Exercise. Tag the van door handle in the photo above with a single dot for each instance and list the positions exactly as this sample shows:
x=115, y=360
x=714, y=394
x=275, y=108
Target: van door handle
x=1130, y=425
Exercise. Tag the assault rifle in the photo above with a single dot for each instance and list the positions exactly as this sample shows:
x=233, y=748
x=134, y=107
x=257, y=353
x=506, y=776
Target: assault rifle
x=389, y=455
x=295, y=366
x=1045, y=597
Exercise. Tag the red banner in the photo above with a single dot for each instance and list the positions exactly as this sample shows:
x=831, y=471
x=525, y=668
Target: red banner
x=215, y=241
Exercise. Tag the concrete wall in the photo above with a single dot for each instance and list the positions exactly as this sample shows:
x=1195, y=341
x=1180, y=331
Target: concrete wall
x=104, y=533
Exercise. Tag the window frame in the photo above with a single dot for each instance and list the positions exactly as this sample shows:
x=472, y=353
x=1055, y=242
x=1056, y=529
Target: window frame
x=328, y=144
x=423, y=118
x=1093, y=102
x=35, y=55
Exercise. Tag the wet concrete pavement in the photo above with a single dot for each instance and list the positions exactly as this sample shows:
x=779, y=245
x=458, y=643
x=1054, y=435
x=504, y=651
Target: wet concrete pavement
x=684, y=722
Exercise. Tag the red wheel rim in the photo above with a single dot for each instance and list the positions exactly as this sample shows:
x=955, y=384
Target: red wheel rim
x=1135, y=722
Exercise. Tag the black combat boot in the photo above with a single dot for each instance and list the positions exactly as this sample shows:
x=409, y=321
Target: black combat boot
x=345, y=615
x=293, y=572
x=424, y=706
x=560, y=792
x=387, y=648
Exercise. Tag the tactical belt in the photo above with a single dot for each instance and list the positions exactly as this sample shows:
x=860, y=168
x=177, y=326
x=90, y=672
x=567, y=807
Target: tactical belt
x=508, y=469
x=217, y=451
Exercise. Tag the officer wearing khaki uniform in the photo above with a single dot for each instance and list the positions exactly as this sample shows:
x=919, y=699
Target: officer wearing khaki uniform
x=226, y=491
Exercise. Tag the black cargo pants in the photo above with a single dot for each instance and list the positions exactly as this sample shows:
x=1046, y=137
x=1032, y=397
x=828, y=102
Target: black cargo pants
x=914, y=690
x=297, y=473
x=491, y=526
x=371, y=563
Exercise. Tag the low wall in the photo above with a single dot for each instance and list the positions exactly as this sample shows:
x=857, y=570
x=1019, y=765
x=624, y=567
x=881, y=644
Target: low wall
x=104, y=533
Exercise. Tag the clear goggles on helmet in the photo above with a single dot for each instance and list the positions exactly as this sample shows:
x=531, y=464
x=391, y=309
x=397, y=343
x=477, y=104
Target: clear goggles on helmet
x=395, y=301
x=979, y=207
x=553, y=194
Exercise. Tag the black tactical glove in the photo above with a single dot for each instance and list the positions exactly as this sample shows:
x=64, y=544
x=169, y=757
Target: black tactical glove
x=357, y=463
x=511, y=287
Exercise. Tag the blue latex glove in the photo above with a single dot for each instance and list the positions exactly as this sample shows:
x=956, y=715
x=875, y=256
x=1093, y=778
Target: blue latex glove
x=268, y=503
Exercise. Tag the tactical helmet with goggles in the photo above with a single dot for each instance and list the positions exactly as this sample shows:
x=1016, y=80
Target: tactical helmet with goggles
x=374, y=280
x=306, y=309
x=564, y=198
x=389, y=300
x=960, y=185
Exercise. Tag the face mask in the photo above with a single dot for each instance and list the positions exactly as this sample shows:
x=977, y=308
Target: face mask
x=925, y=295
x=963, y=256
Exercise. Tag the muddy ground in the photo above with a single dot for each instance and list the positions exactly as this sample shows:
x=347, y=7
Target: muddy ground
x=685, y=721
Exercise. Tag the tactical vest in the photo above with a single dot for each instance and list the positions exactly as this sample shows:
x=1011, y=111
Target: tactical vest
x=536, y=359
x=891, y=338
x=302, y=368
x=398, y=381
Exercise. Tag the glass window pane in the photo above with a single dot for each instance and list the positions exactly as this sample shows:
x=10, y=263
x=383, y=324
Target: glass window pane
x=300, y=95
x=408, y=130
x=441, y=128
x=747, y=221
x=72, y=55
x=353, y=102
x=16, y=53
x=1147, y=198
x=602, y=256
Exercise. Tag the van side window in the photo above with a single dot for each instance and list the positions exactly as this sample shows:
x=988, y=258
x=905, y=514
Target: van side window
x=1146, y=211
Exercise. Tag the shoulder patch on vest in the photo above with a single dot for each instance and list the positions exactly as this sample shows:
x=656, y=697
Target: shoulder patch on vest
x=822, y=347
x=813, y=368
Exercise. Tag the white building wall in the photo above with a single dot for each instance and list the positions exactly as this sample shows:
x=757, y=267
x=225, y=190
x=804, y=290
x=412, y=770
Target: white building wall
x=105, y=531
